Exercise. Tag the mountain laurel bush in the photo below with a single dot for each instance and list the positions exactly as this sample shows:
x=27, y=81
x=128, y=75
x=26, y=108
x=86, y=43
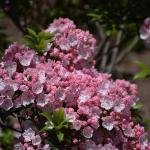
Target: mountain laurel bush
x=52, y=97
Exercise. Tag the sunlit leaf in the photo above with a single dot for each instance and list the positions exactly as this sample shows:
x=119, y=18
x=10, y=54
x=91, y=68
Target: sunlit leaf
x=58, y=116
x=142, y=74
x=38, y=41
x=137, y=106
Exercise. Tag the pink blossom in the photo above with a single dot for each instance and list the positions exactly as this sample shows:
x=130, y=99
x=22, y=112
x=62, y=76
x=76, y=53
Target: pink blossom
x=28, y=135
x=108, y=123
x=36, y=140
x=88, y=132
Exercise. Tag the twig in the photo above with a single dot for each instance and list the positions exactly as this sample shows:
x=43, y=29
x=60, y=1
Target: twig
x=104, y=54
x=38, y=116
x=9, y=127
x=102, y=37
x=115, y=50
x=20, y=123
x=128, y=49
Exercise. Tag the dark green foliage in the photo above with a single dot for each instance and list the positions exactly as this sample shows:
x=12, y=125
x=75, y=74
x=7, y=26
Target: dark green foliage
x=36, y=13
x=113, y=16
x=136, y=114
x=6, y=139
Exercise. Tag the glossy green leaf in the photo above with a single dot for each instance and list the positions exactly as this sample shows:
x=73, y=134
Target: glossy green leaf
x=49, y=126
x=32, y=33
x=142, y=74
x=137, y=106
x=46, y=115
x=60, y=136
x=94, y=16
x=38, y=41
x=58, y=116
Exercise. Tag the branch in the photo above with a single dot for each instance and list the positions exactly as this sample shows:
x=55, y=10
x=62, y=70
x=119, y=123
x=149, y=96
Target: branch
x=104, y=54
x=102, y=37
x=16, y=23
x=19, y=120
x=9, y=127
x=128, y=49
x=115, y=50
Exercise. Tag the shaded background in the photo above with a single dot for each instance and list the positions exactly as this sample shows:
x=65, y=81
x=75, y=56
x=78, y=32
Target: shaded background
x=114, y=23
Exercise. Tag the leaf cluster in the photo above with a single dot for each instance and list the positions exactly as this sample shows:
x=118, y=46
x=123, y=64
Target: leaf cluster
x=38, y=41
x=56, y=122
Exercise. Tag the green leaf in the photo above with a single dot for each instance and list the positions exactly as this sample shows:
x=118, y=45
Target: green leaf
x=147, y=121
x=45, y=128
x=38, y=41
x=58, y=116
x=60, y=136
x=137, y=106
x=49, y=126
x=142, y=74
x=46, y=115
x=32, y=33
x=7, y=138
x=45, y=35
x=31, y=40
x=63, y=124
x=141, y=65
x=94, y=16
x=56, y=122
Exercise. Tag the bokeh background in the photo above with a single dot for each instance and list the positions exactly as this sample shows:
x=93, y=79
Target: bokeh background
x=114, y=23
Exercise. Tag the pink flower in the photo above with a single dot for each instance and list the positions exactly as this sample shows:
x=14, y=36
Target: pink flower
x=108, y=123
x=7, y=104
x=19, y=146
x=26, y=59
x=28, y=135
x=70, y=114
x=11, y=67
x=36, y=140
x=87, y=132
x=107, y=103
x=27, y=98
x=37, y=88
x=42, y=100
x=76, y=125
x=61, y=25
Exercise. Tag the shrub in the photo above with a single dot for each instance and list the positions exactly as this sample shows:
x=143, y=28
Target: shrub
x=53, y=98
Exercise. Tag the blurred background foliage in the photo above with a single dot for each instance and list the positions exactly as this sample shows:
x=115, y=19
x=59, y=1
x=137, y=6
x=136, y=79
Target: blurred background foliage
x=114, y=23
x=38, y=13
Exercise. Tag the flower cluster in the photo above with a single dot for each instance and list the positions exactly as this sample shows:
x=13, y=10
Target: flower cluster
x=97, y=108
x=73, y=46
x=31, y=141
